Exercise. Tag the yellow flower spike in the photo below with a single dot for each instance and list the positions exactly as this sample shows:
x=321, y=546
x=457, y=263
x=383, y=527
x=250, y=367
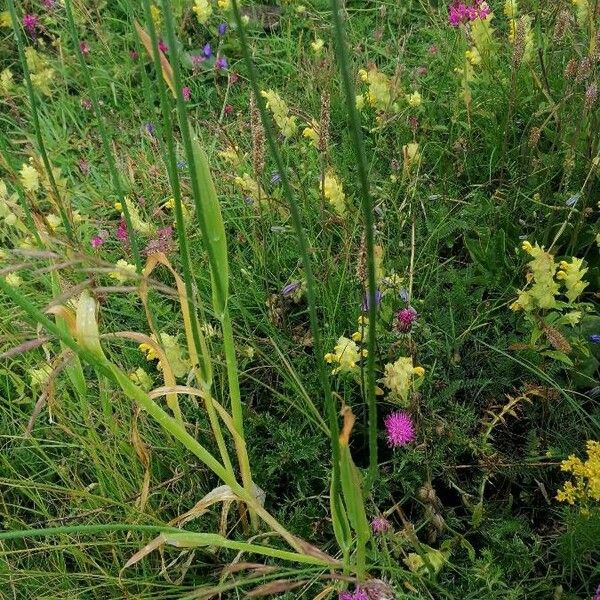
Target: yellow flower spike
x=515, y=306
x=203, y=10
x=527, y=247
x=13, y=280
x=419, y=371
x=357, y=336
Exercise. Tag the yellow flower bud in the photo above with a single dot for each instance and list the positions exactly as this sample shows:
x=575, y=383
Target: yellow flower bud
x=419, y=371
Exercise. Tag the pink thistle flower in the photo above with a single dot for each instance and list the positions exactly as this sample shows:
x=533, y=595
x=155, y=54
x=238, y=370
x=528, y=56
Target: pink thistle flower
x=380, y=525
x=30, y=23
x=84, y=47
x=400, y=428
x=97, y=241
x=162, y=47
x=228, y=109
x=405, y=319
x=186, y=92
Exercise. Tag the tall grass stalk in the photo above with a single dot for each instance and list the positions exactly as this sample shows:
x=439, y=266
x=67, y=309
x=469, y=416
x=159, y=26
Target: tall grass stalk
x=367, y=209
x=205, y=365
x=213, y=234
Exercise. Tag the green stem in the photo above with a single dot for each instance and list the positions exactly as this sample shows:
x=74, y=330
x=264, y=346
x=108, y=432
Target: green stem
x=367, y=209
x=188, y=278
x=302, y=242
x=83, y=529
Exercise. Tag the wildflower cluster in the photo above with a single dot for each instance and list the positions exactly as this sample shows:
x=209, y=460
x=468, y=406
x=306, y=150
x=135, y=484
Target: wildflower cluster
x=380, y=93
x=586, y=486
x=332, y=190
x=398, y=378
x=281, y=113
x=545, y=277
x=460, y=13
x=42, y=75
x=346, y=355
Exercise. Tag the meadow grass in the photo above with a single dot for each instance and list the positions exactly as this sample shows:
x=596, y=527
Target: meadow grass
x=299, y=299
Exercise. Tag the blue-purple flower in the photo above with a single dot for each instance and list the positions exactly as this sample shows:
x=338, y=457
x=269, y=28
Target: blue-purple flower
x=594, y=338
x=366, y=305
x=207, y=51
x=223, y=28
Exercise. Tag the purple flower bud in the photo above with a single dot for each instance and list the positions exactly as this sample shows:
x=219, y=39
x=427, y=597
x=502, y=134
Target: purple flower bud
x=207, y=51
x=221, y=63
x=223, y=28
x=405, y=319
x=594, y=338
x=366, y=304
x=290, y=288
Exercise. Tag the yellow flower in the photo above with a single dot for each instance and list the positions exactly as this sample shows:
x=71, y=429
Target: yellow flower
x=6, y=81
x=317, y=46
x=379, y=93
x=30, y=179
x=346, y=355
x=397, y=377
x=572, y=276
x=170, y=203
x=224, y=4
x=118, y=206
x=5, y=21
x=411, y=157
x=414, y=99
x=511, y=9
x=473, y=56
x=360, y=102
x=542, y=293
x=156, y=16
x=300, y=9
x=419, y=371
x=334, y=192
x=140, y=377
x=124, y=272
x=203, y=10
x=311, y=134
x=149, y=350
x=280, y=112
x=357, y=336
x=54, y=221
x=586, y=486
x=13, y=280
x=40, y=376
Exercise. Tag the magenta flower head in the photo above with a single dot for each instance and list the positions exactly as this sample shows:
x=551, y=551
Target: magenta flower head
x=30, y=23
x=163, y=47
x=459, y=12
x=400, y=429
x=405, y=319
x=597, y=595
x=84, y=47
x=186, y=92
x=380, y=525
